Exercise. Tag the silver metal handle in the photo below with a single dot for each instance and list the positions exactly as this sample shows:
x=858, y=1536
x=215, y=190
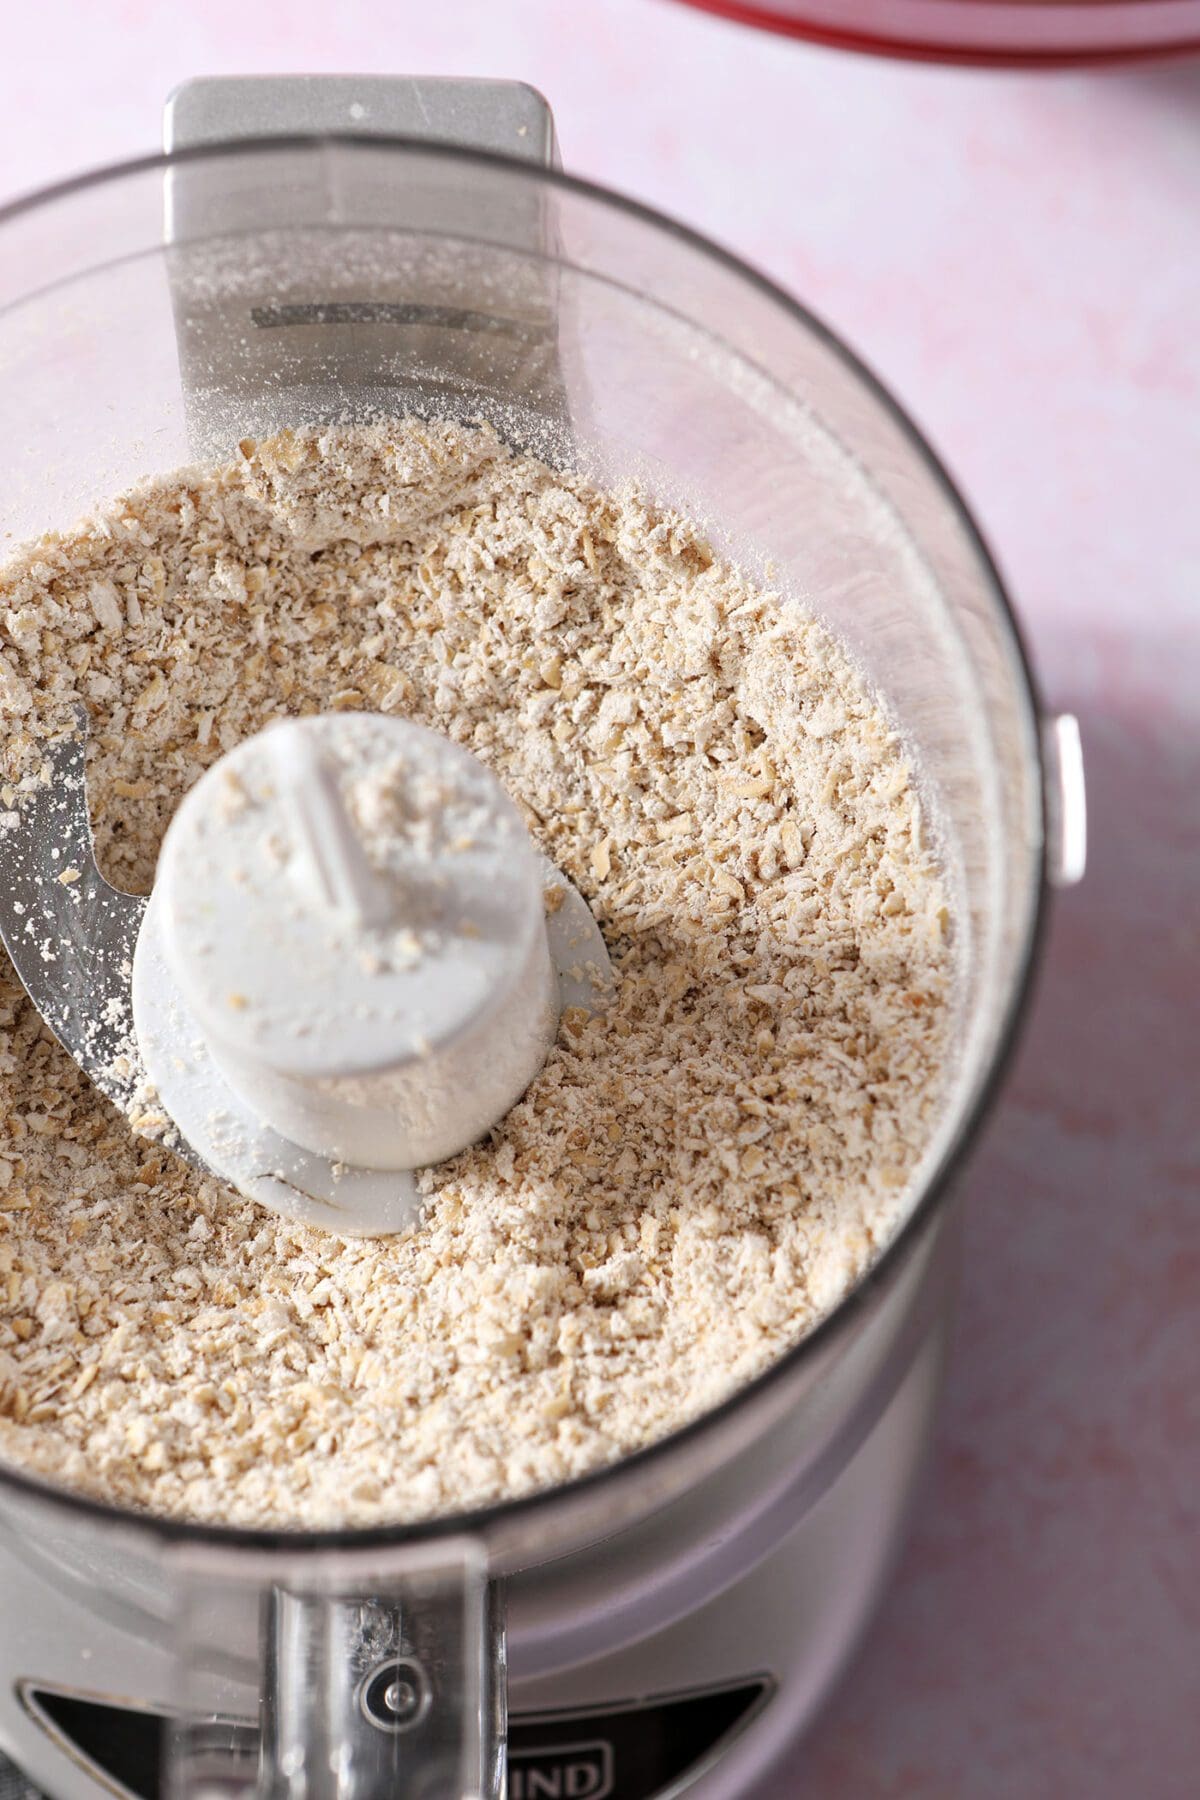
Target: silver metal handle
x=314, y=297
x=505, y=116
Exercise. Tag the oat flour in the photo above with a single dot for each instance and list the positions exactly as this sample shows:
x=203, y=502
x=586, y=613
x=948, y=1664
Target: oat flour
x=696, y=1176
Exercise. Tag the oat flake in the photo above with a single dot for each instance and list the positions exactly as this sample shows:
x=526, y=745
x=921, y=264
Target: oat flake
x=693, y=1180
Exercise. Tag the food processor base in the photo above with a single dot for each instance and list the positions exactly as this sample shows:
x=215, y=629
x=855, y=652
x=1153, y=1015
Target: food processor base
x=704, y=1708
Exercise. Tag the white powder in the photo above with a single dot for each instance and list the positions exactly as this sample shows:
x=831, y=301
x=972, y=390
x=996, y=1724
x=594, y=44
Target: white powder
x=695, y=1177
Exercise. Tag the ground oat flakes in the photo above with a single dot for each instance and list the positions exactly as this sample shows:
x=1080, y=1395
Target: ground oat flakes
x=693, y=1180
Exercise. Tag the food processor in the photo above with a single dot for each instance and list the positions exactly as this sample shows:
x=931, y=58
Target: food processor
x=341, y=248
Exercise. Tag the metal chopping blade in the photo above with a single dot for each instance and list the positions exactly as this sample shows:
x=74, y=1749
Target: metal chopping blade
x=69, y=935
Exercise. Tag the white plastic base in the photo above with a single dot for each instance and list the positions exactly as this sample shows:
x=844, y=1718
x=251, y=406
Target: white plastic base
x=267, y=1167
x=796, y=1620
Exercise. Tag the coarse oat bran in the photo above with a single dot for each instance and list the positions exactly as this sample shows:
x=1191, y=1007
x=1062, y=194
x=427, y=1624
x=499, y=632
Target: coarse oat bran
x=693, y=1180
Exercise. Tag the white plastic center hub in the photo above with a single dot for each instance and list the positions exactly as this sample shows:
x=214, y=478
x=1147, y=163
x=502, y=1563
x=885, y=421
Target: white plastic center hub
x=352, y=910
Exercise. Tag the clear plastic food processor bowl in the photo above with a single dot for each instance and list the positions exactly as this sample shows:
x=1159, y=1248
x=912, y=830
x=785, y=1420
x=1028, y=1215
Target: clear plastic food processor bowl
x=299, y=280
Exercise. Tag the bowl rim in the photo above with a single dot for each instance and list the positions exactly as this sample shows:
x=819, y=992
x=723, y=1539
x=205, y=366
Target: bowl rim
x=970, y=49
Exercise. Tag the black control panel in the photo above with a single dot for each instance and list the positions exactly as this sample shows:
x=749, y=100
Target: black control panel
x=628, y=1752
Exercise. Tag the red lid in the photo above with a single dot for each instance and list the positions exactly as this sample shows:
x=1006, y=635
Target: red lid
x=1014, y=32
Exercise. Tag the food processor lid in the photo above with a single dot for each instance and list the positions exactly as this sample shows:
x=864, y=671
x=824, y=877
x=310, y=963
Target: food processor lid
x=592, y=1504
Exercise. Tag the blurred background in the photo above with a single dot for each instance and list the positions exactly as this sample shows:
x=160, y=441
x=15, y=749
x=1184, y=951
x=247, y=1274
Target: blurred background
x=1017, y=254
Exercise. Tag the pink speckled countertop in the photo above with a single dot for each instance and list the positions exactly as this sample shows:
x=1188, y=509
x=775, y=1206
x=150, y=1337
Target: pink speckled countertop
x=1020, y=258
